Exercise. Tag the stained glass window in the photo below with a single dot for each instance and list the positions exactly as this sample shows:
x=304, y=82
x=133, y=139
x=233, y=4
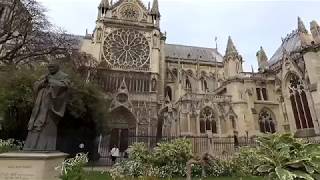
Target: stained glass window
x=127, y=48
x=299, y=103
x=266, y=122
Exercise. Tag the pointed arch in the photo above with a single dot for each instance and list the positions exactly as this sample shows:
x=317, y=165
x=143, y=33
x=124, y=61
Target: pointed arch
x=267, y=122
x=123, y=125
x=168, y=92
x=208, y=120
x=204, y=84
x=188, y=84
x=299, y=102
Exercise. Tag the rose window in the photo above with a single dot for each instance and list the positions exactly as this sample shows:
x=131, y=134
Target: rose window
x=127, y=48
x=130, y=11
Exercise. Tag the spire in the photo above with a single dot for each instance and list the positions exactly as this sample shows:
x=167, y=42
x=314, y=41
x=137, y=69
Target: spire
x=155, y=8
x=104, y=4
x=231, y=49
x=315, y=31
x=301, y=26
x=314, y=25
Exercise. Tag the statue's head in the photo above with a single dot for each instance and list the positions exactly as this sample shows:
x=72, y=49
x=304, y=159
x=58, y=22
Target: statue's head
x=53, y=67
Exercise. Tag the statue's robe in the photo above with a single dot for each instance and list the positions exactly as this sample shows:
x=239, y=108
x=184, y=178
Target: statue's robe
x=49, y=108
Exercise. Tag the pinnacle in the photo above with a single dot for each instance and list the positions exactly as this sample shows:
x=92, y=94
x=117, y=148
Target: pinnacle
x=155, y=8
x=104, y=4
x=231, y=49
x=314, y=25
x=301, y=26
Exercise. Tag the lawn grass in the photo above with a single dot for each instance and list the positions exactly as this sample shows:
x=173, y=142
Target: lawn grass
x=104, y=176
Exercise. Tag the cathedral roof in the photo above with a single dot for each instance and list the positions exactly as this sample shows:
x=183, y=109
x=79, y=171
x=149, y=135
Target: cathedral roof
x=290, y=44
x=192, y=53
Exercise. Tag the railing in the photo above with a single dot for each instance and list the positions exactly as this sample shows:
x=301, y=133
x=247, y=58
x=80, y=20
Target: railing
x=211, y=97
x=219, y=147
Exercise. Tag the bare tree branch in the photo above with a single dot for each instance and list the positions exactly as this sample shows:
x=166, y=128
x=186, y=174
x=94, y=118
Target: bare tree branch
x=26, y=35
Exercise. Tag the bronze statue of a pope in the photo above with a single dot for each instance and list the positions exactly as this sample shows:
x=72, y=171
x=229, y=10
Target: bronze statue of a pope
x=50, y=105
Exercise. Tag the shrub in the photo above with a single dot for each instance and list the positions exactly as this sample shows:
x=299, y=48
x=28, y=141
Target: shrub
x=9, y=145
x=177, y=152
x=246, y=161
x=286, y=158
x=139, y=152
x=72, y=168
x=215, y=168
x=167, y=160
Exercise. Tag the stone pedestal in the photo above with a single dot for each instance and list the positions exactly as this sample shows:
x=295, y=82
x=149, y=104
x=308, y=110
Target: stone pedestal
x=30, y=165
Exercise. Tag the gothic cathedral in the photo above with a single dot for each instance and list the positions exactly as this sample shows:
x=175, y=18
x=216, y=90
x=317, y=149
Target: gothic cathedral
x=177, y=90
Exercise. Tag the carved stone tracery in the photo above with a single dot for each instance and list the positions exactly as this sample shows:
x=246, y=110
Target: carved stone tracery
x=130, y=12
x=126, y=48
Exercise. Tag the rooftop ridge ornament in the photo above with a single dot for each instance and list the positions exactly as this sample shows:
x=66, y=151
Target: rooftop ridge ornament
x=262, y=59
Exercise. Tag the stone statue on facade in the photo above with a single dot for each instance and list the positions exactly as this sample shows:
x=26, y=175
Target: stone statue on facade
x=50, y=104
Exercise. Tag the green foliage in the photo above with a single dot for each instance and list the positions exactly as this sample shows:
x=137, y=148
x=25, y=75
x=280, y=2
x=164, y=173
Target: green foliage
x=72, y=168
x=216, y=168
x=167, y=160
x=87, y=102
x=139, y=152
x=16, y=100
x=286, y=158
x=246, y=161
x=178, y=151
x=9, y=145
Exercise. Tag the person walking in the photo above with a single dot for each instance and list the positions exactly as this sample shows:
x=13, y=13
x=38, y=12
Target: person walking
x=114, y=154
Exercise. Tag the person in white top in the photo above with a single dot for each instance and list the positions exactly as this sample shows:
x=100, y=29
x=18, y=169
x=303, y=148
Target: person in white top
x=114, y=154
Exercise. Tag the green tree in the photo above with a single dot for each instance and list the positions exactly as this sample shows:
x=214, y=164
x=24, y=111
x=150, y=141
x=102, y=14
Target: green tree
x=87, y=102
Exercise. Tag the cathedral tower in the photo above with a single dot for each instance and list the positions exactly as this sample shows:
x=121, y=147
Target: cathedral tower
x=232, y=61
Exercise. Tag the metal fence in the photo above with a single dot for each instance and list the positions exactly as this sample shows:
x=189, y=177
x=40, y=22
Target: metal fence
x=220, y=147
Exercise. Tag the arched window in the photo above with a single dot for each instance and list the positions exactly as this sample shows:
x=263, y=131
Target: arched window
x=175, y=72
x=233, y=122
x=188, y=84
x=204, y=85
x=299, y=103
x=266, y=122
x=202, y=126
x=208, y=121
x=1, y=12
x=168, y=92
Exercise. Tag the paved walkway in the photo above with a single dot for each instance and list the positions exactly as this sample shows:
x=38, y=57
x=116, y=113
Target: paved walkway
x=97, y=168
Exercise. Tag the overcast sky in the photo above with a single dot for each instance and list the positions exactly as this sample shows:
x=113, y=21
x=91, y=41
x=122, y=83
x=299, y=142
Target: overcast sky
x=250, y=23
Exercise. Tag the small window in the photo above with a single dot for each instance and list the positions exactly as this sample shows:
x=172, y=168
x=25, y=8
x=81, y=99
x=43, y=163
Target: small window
x=258, y=94
x=208, y=125
x=214, y=127
x=233, y=122
x=264, y=94
x=188, y=85
x=202, y=126
x=1, y=12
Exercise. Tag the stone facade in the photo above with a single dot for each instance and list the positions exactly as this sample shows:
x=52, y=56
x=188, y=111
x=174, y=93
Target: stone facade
x=176, y=90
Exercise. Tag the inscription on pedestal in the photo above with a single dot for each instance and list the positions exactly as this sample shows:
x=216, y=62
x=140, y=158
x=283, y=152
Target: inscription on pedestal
x=17, y=173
